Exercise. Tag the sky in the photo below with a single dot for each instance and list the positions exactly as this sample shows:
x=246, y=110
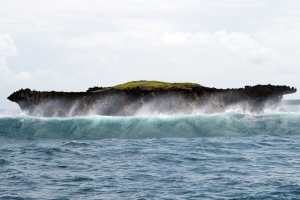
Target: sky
x=71, y=45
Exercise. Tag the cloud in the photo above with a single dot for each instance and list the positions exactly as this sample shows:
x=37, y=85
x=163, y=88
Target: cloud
x=72, y=45
x=35, y=77
x=245, y=47
x=38, y=77
x=9, y=77
x=7, y=47
x=235, y=44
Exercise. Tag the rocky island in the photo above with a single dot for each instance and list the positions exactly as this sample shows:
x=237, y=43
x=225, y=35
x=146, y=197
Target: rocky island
x=150, y=98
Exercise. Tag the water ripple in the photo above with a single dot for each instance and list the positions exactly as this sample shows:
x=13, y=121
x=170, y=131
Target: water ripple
x=255, y=167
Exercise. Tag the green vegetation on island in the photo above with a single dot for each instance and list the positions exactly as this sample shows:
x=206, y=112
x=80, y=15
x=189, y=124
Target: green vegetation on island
x=148, y=85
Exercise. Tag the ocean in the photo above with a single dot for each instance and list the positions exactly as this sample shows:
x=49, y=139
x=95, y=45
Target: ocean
x=229, y=155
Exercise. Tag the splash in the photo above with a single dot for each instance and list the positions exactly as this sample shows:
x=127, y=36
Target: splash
x=169, y=105
x=103, y=127
x=150, y=101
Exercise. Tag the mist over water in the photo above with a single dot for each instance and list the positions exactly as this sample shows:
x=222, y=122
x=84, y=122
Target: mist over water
x=233, y=122
x=161, y=105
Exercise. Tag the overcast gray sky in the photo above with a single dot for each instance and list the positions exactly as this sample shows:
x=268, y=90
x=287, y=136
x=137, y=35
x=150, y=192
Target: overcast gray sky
x=72, y=45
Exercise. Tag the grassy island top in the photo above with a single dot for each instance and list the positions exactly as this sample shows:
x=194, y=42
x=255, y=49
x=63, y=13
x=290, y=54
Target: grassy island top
x=148, y=85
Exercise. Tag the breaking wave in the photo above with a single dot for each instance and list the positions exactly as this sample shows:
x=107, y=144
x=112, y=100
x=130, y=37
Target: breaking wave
x=102, y=127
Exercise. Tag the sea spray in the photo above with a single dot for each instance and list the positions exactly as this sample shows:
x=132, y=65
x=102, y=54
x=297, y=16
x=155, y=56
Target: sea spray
x=155, y=97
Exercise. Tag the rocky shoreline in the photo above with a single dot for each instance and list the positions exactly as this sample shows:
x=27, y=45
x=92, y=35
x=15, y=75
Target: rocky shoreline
x=110, y=101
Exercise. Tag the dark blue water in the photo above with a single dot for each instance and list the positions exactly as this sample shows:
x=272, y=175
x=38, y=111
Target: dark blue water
x=222, y=156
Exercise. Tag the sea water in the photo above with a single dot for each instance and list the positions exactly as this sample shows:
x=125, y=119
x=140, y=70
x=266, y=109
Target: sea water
x=229, y=155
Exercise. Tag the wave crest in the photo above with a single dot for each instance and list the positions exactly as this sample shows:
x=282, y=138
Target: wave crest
x=101, y=127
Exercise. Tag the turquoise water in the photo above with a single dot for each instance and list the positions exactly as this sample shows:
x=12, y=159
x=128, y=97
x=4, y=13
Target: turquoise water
x=221, y=156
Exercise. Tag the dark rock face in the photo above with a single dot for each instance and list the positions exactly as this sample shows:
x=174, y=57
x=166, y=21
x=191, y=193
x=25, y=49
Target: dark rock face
x=128, y=102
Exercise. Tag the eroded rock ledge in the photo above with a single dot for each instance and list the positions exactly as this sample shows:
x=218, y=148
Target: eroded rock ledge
x=148, y=100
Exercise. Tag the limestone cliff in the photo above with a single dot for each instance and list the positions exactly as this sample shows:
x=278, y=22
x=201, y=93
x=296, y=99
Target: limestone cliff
x=145, y=99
